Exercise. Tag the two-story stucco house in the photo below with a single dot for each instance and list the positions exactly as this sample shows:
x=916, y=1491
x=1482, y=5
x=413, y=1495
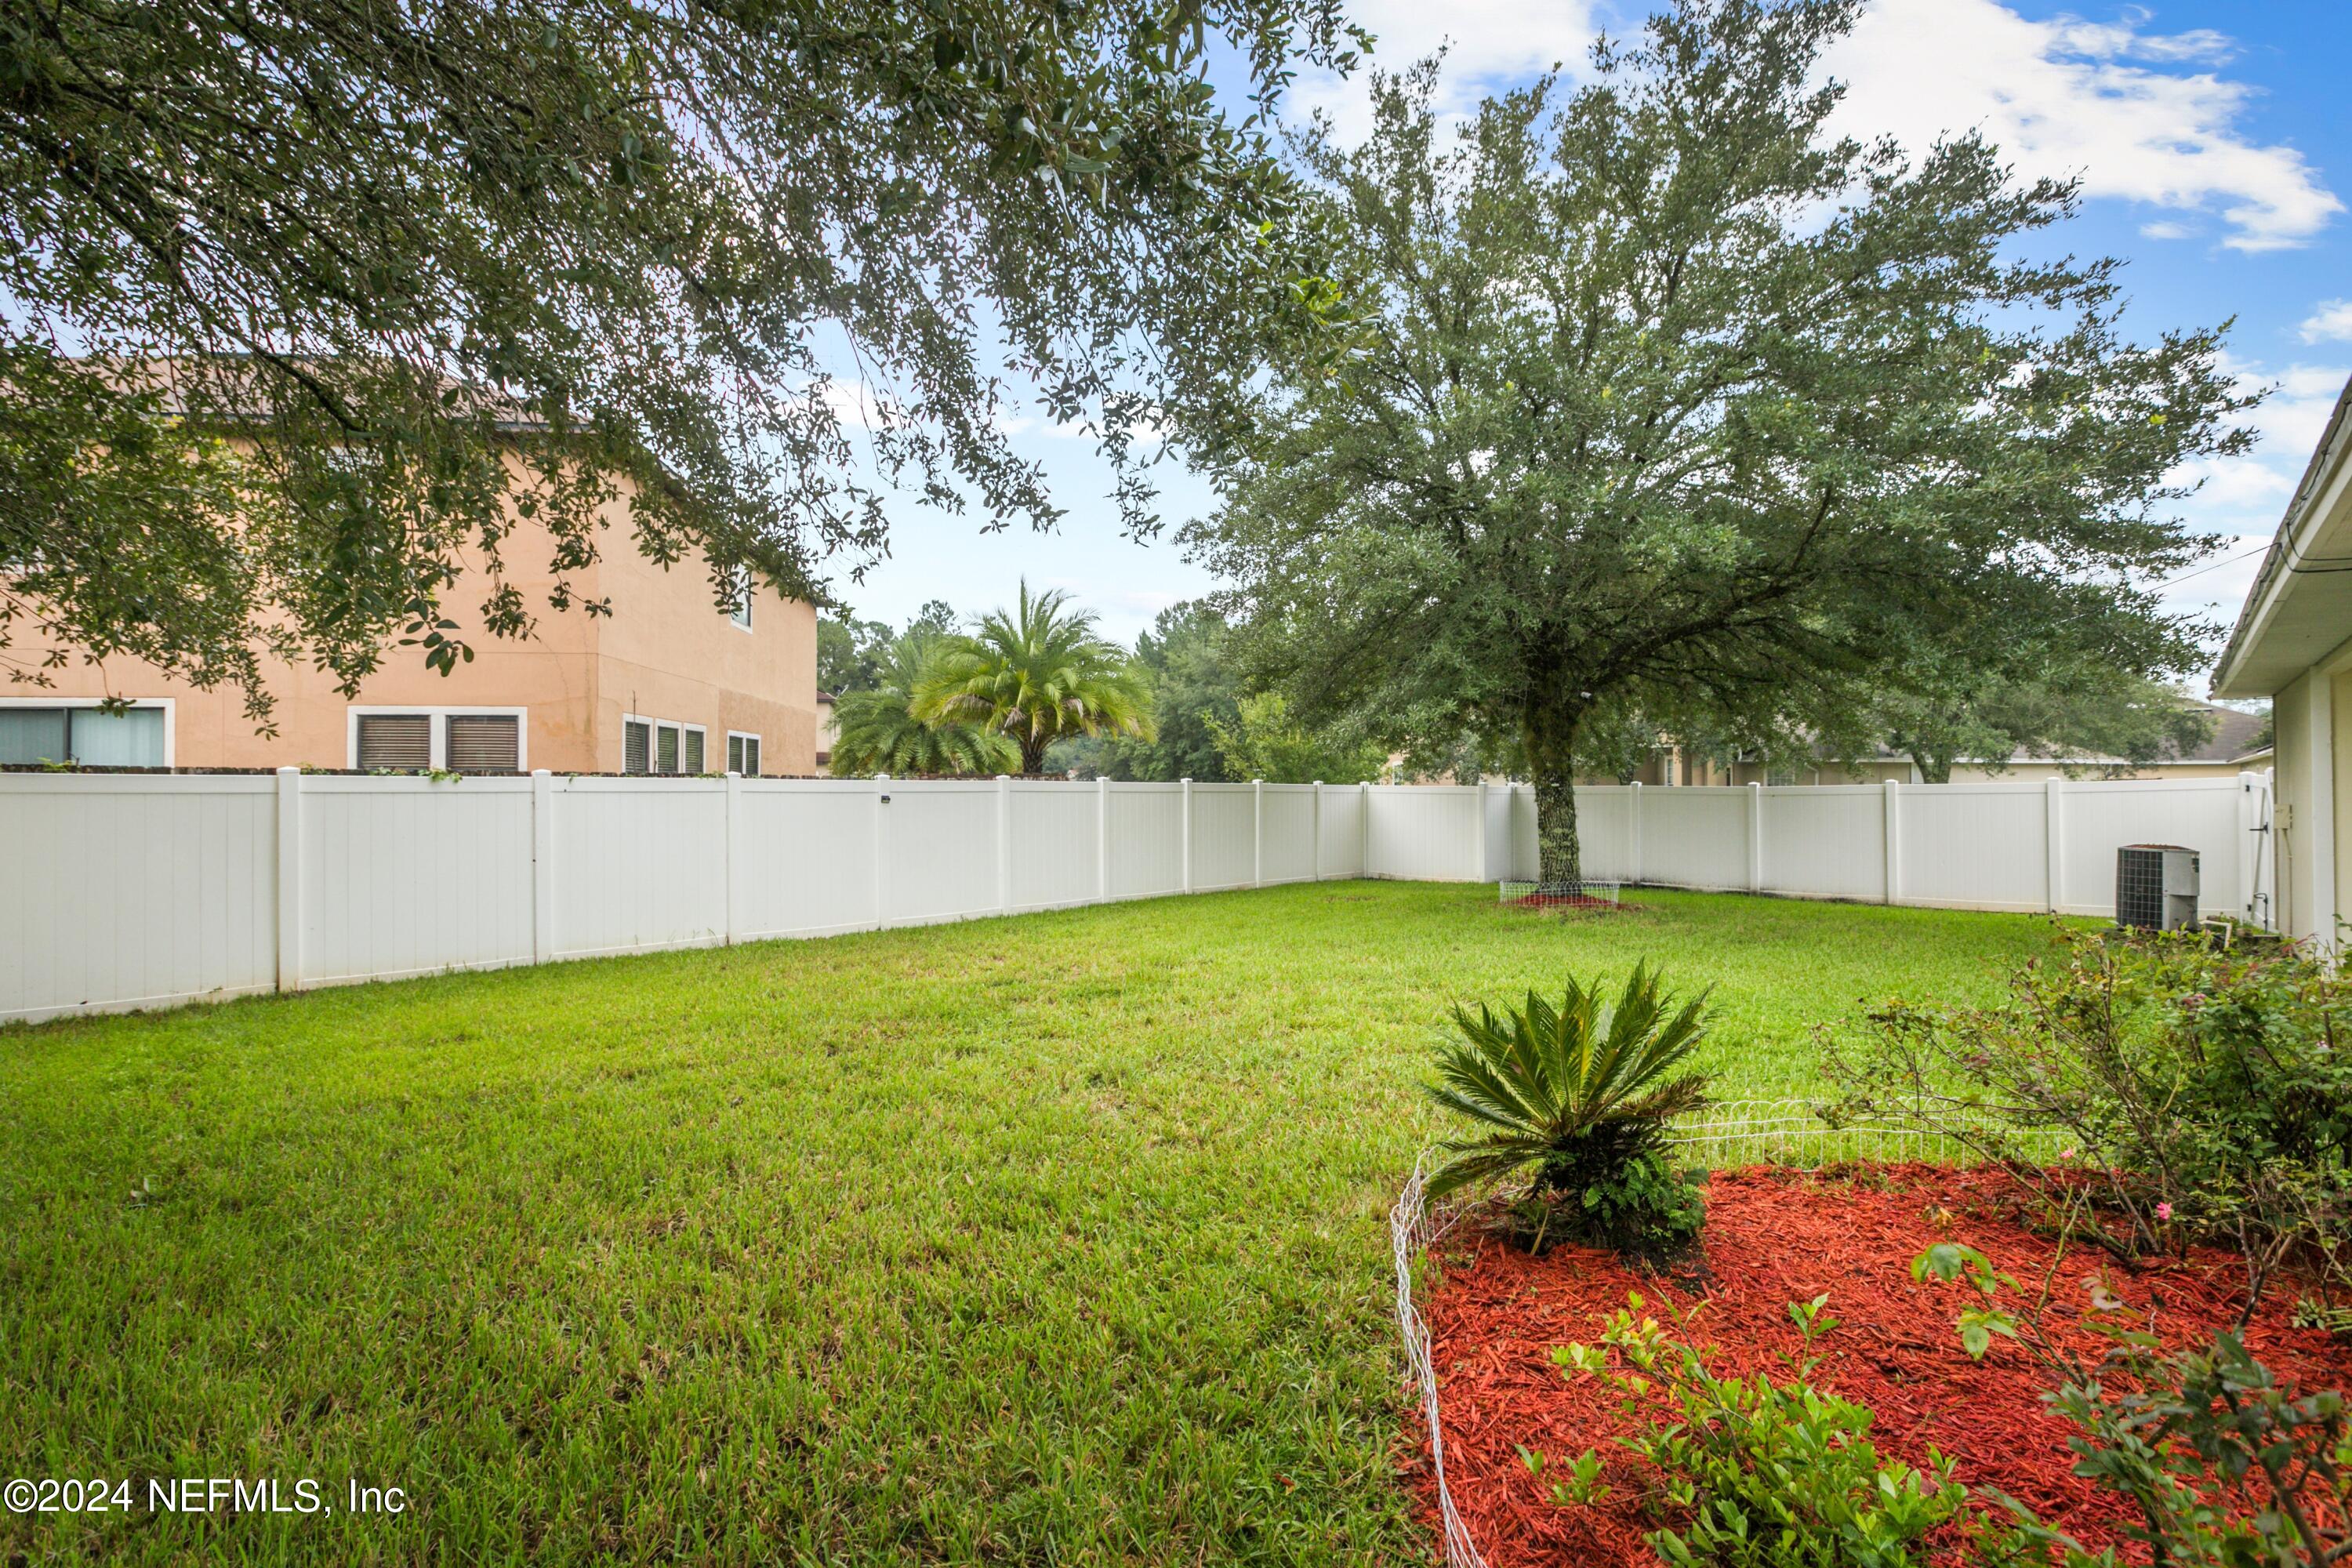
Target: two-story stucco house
x=666, y=683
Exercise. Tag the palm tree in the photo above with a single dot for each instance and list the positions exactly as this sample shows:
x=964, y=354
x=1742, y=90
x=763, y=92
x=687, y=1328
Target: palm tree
x=875, y=730
x=1036, y=675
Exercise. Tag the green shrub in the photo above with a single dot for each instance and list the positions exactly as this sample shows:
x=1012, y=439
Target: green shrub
x=1752, y=1472
x=1578, y=1092
x=2226, y=1469
x=2200, y=1091
x=1647, y=1206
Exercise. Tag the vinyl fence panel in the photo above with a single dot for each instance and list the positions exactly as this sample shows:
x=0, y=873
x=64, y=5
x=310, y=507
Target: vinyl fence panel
x=640, y=864
x=403, y=877
x=115, y=893
x=1606, y=832
x=1695, y=837
x=1425, y=833
x=2102, y=816
x=1224, y=837
x=940, y=851
x=805, y=857
x=1056, y=843
x=1341, y=831
x=1147, y=840
x=1977, y=847
x=1825, y=841
x=1288, y=834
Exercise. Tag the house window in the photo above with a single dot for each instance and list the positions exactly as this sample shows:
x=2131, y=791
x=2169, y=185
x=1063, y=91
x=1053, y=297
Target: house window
x=400, y=741
x=419, y=739
x=665, y=748
x=743, y=754
x=742, y=613
x=85, y=734
x=485, y=744
x=637, y=746
x=692, y=741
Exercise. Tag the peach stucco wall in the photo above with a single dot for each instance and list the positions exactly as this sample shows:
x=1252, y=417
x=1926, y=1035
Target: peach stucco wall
x=666, y=652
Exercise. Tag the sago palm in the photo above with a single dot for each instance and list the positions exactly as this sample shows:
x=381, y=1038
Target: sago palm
x=876, y=731
x=1035, y=675
x=1577, y=1090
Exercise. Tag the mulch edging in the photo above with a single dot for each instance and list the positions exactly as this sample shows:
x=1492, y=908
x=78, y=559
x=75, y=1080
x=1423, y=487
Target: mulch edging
x=1774, y=1237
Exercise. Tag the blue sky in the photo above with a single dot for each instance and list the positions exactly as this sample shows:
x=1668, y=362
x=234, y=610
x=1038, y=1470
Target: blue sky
x=2215, y=145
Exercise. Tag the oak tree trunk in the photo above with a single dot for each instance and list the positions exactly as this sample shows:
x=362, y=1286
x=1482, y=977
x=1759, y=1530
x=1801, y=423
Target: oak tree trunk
x=1552, y=765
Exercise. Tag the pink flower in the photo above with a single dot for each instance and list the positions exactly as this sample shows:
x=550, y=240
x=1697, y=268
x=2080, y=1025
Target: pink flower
x=2164, y=1211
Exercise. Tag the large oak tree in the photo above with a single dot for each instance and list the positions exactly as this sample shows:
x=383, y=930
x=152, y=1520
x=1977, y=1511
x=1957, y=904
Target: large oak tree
x=1679, y=414
x=438, y=252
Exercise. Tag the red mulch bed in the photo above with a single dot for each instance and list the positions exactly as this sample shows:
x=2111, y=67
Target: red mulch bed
x=1563, y=901
x=1773, y=1238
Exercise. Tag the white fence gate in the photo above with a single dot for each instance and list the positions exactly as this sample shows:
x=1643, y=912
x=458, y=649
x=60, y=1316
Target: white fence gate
x=145, y=891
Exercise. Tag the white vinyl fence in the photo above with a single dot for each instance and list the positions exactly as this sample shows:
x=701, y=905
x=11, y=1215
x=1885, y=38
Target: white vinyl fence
x=144, y=891
x=2032, y=845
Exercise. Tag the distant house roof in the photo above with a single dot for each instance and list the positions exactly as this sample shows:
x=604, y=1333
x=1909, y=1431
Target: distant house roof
x=2233, y=737
x=2233, y=741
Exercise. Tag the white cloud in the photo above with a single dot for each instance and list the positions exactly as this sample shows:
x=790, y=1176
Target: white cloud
x=2242, y=498
x=2141, y=115
x=2068, y=97
x=1490, y=46
x=860, y=407
x=2332, y=323
x=2216, y=588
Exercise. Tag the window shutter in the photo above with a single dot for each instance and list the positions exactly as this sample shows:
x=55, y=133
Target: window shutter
x=665, y=748
x=693, y=751
x=734, y=754
x=402, y=741
x=751, y=756
x=637, y=747
x=485, y=744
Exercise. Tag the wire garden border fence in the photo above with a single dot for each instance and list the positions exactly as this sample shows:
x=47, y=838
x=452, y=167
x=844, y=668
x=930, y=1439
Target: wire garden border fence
x=1727, y=1135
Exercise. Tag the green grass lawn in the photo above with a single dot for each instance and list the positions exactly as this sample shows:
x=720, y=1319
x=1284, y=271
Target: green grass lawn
x=1052, y=1240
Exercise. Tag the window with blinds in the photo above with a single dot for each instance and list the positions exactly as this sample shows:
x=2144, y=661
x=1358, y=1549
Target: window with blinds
x=665, y=748
x=485, y=744
x=693, y=743
x=400, y=741
x=637, y=747
x=743, y=755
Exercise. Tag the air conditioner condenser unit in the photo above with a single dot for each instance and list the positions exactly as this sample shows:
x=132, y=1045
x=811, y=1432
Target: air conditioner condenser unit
x=2156, y=887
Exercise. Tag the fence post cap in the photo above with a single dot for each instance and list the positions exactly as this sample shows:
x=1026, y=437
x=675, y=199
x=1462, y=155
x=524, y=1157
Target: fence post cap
x=284, y=771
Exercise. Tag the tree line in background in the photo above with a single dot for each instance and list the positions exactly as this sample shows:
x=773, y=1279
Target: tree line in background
x=933, y=698
x=1184, y=704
